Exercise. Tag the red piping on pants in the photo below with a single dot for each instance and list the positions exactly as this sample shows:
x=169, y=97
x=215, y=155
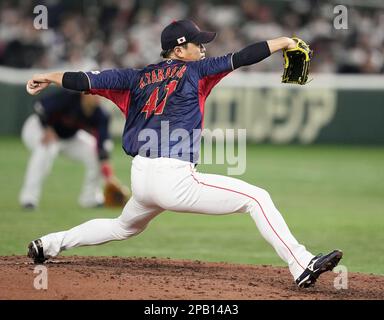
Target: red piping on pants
x=212, y=186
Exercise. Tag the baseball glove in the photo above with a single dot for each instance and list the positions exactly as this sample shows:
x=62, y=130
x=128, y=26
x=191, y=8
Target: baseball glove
x=115, y=194
x=296, y=63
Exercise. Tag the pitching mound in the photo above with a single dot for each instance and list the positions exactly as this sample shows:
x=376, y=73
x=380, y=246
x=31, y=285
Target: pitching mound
x=151, y=278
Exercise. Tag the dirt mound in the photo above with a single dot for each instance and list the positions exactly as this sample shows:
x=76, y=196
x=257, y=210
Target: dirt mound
x=151, y=278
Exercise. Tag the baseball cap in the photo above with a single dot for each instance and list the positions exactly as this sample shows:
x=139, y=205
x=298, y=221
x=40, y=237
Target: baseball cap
x=184, y=31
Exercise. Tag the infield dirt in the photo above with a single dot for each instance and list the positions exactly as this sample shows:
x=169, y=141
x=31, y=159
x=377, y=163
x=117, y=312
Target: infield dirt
x=151, y=278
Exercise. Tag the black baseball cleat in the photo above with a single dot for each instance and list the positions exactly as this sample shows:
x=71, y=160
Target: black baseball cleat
x=35, y=252
x=319, y=264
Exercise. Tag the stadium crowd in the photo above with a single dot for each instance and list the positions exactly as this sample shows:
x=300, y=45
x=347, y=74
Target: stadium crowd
x=121, y=33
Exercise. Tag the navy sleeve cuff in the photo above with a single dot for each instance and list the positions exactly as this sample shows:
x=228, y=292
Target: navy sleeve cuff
x=251, y=54
x=77, y=81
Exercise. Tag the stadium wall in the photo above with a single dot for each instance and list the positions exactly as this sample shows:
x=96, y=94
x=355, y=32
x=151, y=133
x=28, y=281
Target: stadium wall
x=330, y=109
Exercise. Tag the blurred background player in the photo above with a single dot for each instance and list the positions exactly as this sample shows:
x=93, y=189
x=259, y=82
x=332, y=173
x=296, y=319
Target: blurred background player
x=75, y=125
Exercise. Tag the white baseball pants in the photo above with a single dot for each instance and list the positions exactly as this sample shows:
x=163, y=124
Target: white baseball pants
x=82, y=147
x=171, y=184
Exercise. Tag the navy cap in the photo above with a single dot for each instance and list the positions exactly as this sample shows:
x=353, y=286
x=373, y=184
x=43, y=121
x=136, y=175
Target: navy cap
x=184, y=31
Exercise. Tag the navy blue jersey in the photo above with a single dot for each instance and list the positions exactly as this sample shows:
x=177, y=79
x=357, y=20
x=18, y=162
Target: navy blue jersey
x=163, y=104
x=63, y=112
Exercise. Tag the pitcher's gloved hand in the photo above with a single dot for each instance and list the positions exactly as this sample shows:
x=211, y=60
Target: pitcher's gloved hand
x=296, y=63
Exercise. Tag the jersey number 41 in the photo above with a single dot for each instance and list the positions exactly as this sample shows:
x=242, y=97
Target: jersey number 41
x=151, y=105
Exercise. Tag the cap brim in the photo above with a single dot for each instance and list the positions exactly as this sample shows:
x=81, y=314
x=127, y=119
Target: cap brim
x=204, y=37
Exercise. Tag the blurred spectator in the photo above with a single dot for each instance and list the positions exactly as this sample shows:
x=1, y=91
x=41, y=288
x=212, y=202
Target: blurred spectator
x=118, y=33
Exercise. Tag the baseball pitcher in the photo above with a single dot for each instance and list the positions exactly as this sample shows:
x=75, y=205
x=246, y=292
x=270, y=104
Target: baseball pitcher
x=172, y=94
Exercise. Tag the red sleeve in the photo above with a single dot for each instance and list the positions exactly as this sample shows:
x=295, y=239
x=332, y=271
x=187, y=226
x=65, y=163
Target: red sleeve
x=206, y=85
x=121, y=98
x=114, y=84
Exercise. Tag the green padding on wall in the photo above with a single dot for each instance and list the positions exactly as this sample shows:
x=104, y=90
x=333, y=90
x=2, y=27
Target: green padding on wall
x=359, y=118
x=345, y=116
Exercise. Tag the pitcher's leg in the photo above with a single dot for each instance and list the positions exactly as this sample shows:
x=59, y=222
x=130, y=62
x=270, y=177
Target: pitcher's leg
x=133, y=220
x=214, y=194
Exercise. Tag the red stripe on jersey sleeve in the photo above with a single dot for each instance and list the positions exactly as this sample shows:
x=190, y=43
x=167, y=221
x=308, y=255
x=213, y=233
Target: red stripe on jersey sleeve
x=206, y=85
x=121, y=98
